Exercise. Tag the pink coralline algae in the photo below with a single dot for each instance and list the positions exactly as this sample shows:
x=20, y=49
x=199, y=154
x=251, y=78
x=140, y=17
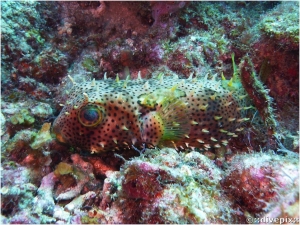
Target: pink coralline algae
x=147, y=188
x=259, y=182
x=160, y=9
x=82, y=172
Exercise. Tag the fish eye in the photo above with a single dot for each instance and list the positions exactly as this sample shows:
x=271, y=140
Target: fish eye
x=90, y=115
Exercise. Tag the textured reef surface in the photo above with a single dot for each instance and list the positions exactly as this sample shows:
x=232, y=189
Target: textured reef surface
x=149, y=112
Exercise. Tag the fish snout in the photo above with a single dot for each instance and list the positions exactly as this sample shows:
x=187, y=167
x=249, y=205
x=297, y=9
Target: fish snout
x=57, y=132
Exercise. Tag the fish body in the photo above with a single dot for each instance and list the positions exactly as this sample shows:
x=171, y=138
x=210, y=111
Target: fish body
x=109, y=115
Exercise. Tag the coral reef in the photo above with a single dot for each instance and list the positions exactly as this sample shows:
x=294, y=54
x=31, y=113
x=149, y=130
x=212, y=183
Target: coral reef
x=276, y=60
x=237, y=46
x=281, y=23
x=175, y=188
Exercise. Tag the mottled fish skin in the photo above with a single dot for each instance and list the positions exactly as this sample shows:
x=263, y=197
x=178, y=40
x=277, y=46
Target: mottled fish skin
x=108, y=115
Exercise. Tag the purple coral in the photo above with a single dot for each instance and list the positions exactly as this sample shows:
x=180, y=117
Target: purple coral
x=160, y=9
x=44, y=200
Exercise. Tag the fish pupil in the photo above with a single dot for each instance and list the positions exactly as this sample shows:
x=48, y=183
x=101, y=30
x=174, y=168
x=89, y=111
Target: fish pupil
x=91, y=115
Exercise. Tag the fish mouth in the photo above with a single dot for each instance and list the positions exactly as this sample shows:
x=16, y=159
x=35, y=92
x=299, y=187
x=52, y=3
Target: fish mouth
x=58, y=135
x=60, y=138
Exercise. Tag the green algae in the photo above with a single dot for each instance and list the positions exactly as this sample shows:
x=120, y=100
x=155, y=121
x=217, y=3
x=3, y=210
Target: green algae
x=23, y=117
x=63, y=168
x=90, y=65
x=89, y=220
x=33, y=33
x=42, y=137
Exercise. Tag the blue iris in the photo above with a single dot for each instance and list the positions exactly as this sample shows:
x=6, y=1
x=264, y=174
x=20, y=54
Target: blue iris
x=91, y=115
